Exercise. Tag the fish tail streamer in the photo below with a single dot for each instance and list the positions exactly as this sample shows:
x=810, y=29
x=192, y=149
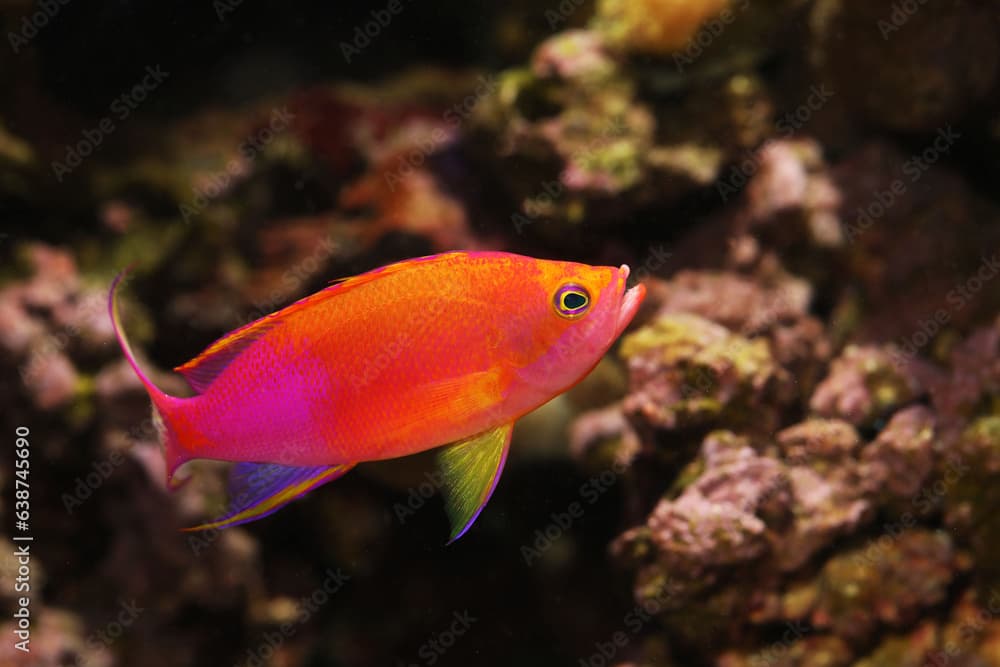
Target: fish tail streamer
x=165, y=407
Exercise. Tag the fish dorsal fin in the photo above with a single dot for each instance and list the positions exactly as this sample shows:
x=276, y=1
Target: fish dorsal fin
x=471, y=470
x=203, y=369
x=389, y=269
x=259, y=489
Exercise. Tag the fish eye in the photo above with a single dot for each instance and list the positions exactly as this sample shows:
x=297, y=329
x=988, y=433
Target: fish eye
x=571, y=300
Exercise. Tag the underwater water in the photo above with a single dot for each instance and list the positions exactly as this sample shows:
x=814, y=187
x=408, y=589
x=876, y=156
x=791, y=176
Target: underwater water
x=789, y=457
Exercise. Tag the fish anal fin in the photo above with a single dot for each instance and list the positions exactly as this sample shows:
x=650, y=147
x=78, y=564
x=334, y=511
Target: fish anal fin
x=259, y=489
x=471, y=470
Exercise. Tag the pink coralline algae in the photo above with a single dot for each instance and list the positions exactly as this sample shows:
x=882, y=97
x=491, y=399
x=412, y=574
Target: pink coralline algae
x=864, y=383
x=855, y=594
x=688, y=371
x=773, y=514
x=902, y=457
x=792, y=196
x=973, y=372
x=45, y=320
x=734, y=301
x=744, y=504
x=573, y=54
x=803, y=475
x=714, y=522
x=57, y=636
x=400, y=188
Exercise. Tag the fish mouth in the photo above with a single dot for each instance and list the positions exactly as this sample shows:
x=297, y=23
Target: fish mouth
x=631, y=299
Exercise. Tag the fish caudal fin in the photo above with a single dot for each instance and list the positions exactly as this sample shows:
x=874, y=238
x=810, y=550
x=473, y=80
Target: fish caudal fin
x=164, y=406
x=259, y=489
x=471, y=470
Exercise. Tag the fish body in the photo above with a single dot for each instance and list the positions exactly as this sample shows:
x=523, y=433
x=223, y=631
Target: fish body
x=449, y=349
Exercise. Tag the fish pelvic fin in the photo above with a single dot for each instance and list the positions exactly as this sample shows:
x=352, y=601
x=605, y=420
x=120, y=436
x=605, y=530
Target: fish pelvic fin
x=259, y=489
x=472, y=468
x=165, y=407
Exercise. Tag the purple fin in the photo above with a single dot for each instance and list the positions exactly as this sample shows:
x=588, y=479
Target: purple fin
x=259, y=489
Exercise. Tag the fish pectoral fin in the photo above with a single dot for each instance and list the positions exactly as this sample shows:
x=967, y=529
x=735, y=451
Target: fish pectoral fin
x=459, y=398
x=471, y=469
x=259, y=489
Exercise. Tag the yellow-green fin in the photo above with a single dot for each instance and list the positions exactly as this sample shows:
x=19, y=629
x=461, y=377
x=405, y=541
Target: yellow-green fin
x=471, y=470
x=259, y=489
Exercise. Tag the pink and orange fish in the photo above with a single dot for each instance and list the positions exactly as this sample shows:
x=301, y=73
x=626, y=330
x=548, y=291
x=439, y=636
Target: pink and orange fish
x=446, y=351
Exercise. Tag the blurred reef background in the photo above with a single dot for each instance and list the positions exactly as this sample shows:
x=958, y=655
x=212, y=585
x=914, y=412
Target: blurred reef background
x=792, y=459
